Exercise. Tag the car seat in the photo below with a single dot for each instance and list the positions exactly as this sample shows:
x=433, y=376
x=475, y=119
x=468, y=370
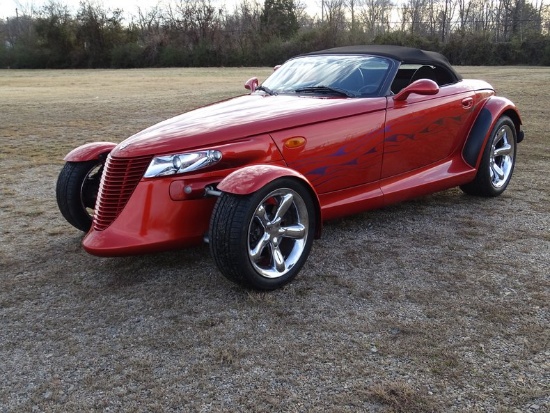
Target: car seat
x=424, y=72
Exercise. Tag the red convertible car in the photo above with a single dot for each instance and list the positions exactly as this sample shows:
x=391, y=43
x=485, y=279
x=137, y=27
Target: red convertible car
x=328, y=134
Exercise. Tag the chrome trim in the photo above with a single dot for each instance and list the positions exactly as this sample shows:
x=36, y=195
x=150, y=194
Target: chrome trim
x=211, y=191
x=502, y=156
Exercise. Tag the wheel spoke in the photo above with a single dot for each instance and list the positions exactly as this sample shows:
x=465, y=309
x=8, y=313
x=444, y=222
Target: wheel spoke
x=283, y=207
x=497, y=170
x=261, y=214
x=295, y=231
x=501, y=135
x=256, y=252
x=504, y=150
x=278, y=259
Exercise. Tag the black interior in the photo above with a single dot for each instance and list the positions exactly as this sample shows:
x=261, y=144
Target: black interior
x=405, y=76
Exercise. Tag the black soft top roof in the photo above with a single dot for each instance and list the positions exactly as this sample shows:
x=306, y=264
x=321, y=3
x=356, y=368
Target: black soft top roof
x=400, y=53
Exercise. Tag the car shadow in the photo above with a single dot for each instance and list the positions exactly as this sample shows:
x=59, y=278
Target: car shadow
x=137, y=269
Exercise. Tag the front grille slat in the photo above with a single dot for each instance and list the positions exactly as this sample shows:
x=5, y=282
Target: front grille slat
x=119, y=180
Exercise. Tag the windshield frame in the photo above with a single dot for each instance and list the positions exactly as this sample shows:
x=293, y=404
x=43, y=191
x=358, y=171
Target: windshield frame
x=328, y=75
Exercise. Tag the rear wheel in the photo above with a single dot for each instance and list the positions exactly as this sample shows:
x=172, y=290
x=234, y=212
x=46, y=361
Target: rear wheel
x=262, y=240
x=497, y=163
x=76, y=192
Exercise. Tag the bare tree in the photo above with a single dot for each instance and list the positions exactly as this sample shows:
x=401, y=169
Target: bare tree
x=196, y=21
x=243, y=27
x=376, y=17
x=335, y=14
x=446, y=16
x=352, y=6
x=151, y=33
x=413, y=16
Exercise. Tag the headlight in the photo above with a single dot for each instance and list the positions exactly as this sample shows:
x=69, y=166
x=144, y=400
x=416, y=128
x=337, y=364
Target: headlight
x=180, y=163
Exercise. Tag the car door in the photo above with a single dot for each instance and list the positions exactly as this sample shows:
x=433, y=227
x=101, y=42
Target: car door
x=423, y=130
x=338, y=153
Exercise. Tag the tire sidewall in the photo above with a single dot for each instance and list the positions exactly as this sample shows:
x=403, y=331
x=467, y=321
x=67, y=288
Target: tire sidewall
x=69, y=196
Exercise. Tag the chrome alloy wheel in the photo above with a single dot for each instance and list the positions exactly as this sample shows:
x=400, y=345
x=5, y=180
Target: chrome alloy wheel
x=502, y=156
x=278, y=232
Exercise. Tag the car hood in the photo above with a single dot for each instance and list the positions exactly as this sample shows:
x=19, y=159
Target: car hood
x=238, y=118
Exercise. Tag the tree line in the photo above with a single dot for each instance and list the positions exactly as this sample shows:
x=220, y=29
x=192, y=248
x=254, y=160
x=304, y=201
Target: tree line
x=207, y=33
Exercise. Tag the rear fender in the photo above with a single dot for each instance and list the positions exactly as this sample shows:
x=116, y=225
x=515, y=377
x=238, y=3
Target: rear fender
x=494, y=108
x=89, y=152
x=254, y=177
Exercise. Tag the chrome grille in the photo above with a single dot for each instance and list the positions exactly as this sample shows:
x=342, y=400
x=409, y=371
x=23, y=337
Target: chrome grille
x=120, y=178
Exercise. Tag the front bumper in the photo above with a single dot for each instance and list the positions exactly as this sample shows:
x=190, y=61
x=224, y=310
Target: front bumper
x=152, y=221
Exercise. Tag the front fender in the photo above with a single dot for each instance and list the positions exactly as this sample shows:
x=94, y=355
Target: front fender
x=249, y=179
x=494, y=108
x=89, y=151
x=254, y=177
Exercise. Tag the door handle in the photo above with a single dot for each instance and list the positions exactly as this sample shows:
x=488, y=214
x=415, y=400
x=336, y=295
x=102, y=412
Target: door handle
x=467, y=103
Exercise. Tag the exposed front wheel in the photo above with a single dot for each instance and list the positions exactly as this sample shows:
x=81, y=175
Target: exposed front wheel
x=76, y=192
x=262, y=240
x=497, y=163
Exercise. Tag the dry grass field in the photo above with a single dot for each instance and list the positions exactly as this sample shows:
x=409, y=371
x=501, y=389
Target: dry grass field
x=435, y=305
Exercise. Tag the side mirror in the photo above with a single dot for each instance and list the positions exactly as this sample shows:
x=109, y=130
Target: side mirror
x=424, y=87
x=251, y=84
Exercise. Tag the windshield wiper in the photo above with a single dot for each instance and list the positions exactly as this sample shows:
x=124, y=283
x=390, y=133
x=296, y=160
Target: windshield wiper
x=266, y=90
x=326, y=90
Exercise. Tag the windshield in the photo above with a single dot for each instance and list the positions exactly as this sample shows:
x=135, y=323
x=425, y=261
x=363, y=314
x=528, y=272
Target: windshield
x=342, y=75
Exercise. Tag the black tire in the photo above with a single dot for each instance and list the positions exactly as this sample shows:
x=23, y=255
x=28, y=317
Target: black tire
x=497, y=163
x=76, y=192
x=252, y=246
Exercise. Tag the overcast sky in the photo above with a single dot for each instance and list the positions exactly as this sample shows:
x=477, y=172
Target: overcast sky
x=7, y=7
